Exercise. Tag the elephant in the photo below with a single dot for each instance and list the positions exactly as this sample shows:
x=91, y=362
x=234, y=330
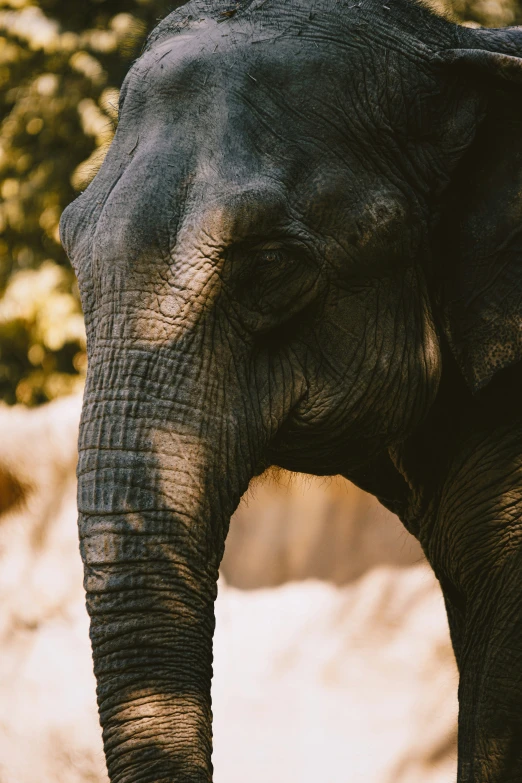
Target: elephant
x=303, y=249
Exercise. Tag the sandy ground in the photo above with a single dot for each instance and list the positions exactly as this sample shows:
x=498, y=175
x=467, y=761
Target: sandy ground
x=315, y=682
x=334, y=666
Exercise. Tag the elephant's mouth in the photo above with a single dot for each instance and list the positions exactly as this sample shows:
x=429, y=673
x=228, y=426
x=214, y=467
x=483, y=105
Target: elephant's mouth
x=304, y=448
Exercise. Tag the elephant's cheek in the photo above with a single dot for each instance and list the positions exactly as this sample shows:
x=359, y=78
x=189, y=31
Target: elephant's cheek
x=369, y=391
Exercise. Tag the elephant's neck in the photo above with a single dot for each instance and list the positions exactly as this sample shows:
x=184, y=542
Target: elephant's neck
x=460, y=429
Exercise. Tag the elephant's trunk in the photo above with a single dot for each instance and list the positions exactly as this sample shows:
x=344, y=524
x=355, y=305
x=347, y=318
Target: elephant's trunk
x=158, y=481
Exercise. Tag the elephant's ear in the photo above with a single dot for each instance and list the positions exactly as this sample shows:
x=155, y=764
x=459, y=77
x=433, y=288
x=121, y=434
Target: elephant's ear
x=480, y=234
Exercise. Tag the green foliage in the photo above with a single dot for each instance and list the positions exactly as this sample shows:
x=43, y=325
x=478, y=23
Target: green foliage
x=41, y=334
x=61, y=65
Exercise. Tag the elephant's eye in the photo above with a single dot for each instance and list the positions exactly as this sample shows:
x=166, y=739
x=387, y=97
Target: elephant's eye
x=270, y=257
x=273, y=280
x=272, y=268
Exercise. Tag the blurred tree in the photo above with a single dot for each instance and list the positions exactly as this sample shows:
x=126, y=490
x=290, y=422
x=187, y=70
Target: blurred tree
x=61, y=64
x=489, y=13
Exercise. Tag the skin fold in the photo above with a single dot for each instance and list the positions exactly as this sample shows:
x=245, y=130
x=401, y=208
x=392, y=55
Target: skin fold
x=303, y=249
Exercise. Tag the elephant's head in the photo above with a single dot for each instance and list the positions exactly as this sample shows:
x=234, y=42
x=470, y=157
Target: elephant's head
x=298, y=210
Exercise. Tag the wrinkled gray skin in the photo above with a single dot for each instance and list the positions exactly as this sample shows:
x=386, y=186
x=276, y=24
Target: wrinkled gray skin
x=304, y=248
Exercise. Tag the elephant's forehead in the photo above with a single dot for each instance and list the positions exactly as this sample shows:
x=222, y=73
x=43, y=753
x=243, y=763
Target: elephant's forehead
x=246, y=102
x=207, y=63
x=238, y=79
x=217, y=133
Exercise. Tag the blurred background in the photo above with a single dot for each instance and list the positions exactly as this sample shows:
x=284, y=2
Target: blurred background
x=332, y=654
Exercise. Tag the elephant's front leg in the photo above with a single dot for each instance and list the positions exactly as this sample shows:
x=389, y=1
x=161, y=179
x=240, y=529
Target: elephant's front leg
x=490, y=691
x=475, y=546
